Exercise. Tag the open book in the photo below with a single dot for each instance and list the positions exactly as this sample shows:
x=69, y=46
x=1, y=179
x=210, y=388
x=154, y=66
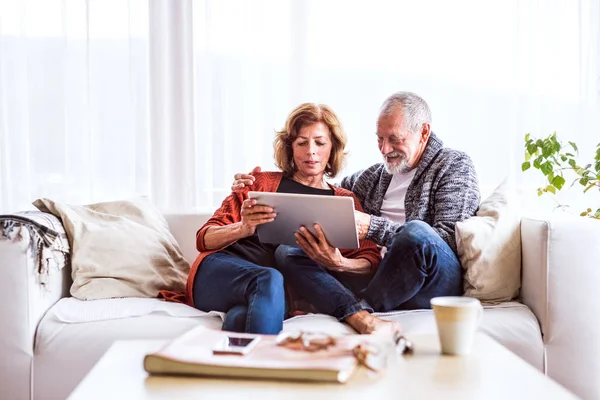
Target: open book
x=192, y=354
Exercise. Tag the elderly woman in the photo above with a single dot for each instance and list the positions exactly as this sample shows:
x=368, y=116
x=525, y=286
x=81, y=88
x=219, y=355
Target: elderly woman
x=237, y=274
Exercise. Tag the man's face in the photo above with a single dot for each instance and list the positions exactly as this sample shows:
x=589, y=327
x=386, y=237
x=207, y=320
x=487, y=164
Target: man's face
x=401, y=149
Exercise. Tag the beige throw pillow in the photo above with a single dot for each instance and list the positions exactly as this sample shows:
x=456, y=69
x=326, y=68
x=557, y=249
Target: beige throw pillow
x=119, y=249
x=489, y=248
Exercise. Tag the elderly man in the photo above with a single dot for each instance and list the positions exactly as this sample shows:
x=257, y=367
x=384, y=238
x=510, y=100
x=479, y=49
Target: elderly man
x=412, y=202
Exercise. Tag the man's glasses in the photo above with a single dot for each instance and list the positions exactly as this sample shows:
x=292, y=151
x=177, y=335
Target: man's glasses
x=308, y=341
x=366, y=353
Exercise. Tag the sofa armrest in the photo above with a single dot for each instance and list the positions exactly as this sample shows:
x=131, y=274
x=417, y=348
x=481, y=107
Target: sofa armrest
x=560, y=283
x=35, y=274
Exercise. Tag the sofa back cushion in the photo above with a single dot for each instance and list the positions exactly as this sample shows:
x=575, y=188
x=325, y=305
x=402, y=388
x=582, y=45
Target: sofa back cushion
x=184, y=228
x=489, y=248
x=119, y=249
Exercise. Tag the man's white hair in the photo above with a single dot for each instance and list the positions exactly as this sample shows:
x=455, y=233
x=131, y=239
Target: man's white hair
x=415, y=110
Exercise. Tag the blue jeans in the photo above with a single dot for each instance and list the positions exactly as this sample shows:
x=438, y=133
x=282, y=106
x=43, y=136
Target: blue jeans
x=251, y=295
x=418, y=266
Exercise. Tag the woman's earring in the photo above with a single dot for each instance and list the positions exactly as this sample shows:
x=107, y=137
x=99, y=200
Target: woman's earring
x=293, y=164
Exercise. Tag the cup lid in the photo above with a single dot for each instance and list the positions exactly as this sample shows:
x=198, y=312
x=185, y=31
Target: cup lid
x=455, y=301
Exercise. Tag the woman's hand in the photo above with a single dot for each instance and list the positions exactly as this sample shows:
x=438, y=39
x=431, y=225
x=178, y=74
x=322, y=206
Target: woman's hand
x=319, y=250
x=254, y=215
x=243, y=180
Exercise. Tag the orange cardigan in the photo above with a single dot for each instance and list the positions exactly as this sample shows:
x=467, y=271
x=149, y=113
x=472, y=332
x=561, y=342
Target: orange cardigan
x=229, y=213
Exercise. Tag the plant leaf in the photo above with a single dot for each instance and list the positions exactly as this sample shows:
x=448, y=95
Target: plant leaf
x=547, y=150
x=557, y=146
x=546, y=168
x=531, y=148
x=574, y=146
x=572, y=163
x=538, y=162
x=525, y=166
x=591, y=185
x=558, y=182
x=551, y=189
x=550, y=147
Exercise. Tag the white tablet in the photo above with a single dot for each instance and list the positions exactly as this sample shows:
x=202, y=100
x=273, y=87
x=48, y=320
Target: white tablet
x=335, y=215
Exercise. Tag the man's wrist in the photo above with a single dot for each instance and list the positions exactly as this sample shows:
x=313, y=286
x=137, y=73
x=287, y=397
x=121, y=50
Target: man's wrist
x=376, y=225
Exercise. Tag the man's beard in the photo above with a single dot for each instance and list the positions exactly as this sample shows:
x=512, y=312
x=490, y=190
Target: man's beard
x=398, y=167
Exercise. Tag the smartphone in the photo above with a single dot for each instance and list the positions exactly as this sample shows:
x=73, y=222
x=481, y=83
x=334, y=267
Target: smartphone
x=232, y=344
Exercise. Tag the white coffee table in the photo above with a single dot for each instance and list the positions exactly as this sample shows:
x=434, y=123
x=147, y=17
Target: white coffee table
x=490, y=372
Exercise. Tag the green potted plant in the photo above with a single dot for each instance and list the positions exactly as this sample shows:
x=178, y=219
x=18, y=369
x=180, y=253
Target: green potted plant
x=553, y=159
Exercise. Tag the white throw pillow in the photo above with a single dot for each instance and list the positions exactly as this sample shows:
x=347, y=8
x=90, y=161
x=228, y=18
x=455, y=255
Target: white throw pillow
x=120, y=249
x=489, y=248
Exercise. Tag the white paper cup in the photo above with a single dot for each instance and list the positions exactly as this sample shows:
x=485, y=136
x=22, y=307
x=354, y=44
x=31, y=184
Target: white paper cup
x=457, y=319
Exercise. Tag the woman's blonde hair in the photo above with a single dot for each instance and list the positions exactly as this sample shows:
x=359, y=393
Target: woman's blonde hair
x=304, y=115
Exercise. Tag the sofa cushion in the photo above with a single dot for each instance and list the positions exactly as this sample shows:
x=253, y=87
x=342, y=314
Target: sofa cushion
x=489, y=248
x=66, y=352
x=76, y=347
x=120, y=249
x=73, y=311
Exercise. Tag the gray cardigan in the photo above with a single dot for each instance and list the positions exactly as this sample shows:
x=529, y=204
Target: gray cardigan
x=443, y=191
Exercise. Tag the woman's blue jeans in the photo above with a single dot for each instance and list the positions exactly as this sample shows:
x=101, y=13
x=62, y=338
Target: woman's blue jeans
x=252, y=295
x=417, y=266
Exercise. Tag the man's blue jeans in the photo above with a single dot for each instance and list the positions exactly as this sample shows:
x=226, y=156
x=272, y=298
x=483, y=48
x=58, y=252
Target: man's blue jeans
x=252, y=295
x=418, y=266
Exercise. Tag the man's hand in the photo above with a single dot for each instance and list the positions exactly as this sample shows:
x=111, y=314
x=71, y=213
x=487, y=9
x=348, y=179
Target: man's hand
x=363, y=221
x=319, y=250
x=254, y=215
x=243, y=180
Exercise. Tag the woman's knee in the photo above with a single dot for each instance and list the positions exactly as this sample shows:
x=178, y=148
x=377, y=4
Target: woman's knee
x=271, y=281
x=235, y=318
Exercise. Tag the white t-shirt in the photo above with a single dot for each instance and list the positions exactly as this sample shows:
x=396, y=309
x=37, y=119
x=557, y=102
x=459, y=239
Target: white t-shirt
x=393, y=200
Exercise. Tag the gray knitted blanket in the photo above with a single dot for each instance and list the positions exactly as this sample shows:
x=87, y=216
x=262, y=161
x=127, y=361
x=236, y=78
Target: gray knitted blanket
x=44, y=236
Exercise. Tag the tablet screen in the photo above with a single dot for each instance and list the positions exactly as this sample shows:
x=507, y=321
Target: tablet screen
x=335, y=215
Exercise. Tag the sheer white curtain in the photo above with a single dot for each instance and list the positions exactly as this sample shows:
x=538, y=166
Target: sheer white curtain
x=74, y=105
x=107, y=99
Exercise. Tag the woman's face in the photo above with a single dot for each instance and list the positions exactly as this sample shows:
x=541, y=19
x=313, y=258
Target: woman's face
x=311, y=149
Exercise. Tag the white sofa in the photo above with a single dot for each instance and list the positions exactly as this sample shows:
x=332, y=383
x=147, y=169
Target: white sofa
x=49, y=341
